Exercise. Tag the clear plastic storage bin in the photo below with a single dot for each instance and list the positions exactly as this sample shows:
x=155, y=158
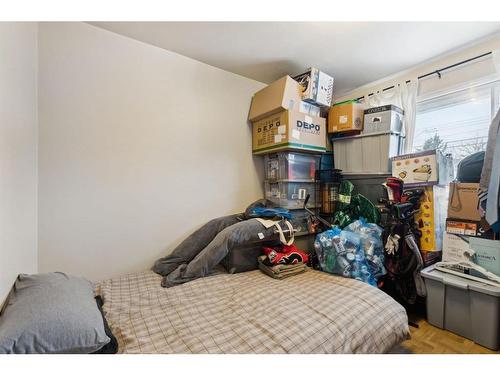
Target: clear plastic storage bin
x=291, y=166
x=291, y=195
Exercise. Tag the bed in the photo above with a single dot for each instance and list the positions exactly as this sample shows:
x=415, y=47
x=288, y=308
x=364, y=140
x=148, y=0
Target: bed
x=249, y=312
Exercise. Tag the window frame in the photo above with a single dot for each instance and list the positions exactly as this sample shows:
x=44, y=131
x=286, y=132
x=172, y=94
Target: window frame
x=487, y=80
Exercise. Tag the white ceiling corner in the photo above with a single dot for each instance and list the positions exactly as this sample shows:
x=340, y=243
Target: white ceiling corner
x=355, y=53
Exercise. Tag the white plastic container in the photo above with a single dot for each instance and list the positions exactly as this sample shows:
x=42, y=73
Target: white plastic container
x=387, y=118
x=465, y=307
x=291, y=166
x=366, y=153
x=291, y=195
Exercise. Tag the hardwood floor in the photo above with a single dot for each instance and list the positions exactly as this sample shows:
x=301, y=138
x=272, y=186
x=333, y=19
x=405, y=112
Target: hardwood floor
x=428, y=339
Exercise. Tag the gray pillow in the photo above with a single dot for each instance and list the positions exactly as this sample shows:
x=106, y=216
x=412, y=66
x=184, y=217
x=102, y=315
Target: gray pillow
x=51, y=313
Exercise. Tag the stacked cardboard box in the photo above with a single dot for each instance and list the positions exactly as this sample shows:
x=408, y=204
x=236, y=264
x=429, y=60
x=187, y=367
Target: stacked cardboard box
x=287, y=115
x=288, y=127
x=466, y=230
x=346, y=117
x=463, y=216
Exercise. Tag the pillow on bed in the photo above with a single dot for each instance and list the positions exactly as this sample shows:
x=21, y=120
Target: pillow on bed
x=52, y=313
x=112, y=346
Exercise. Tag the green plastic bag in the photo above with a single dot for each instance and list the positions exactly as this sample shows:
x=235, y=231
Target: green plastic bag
x=359, y=206
x=345, y=194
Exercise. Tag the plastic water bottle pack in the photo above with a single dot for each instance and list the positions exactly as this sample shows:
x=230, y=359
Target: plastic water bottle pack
x=355, y=252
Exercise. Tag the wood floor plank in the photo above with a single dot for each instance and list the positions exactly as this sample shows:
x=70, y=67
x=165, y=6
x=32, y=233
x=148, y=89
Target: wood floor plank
x=427, y=339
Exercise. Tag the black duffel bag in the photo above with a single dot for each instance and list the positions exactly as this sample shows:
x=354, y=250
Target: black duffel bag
x=469, y=169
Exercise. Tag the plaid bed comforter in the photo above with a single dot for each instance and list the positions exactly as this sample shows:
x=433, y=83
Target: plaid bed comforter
x=250, y=312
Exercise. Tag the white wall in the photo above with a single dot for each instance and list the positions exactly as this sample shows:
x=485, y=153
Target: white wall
x=18, y=152
x=138, y=146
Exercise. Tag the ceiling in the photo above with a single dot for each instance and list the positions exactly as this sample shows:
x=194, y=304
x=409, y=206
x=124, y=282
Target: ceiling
x=354, y=53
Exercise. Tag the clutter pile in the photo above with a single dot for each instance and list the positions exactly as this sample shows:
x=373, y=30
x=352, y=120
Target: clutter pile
x=288, y=114
x=355, y=252
x=318, y=158
x=370, y=184
x=289, y=129
x=464, y=288
x=469, y=246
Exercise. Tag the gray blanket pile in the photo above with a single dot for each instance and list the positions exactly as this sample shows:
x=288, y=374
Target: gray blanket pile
x=199, y=254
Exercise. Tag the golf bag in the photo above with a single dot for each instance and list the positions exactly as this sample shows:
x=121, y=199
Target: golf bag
x=403, y=260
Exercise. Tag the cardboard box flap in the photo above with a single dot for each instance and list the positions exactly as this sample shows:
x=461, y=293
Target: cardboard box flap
x=279, y=95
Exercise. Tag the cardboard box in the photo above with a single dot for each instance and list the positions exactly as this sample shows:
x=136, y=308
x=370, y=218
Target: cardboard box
x=289, y=130
x=387, y=118
x=346, y=117
x=317, y=87
x=463, y=202
x=454, y=248
x=285, y=93
x=430, y=218
x=309, y=109
x=486, y=253
x=423, y=168
x=469, y=228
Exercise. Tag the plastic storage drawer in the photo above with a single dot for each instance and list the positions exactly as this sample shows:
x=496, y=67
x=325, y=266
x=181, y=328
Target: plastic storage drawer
x=291, y=195
x=465, y=307
x=291, y=166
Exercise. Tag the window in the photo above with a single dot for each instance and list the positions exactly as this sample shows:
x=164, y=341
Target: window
x=457, y=123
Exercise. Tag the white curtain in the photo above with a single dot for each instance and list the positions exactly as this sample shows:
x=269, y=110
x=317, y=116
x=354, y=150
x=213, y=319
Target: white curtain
x=404, y=96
